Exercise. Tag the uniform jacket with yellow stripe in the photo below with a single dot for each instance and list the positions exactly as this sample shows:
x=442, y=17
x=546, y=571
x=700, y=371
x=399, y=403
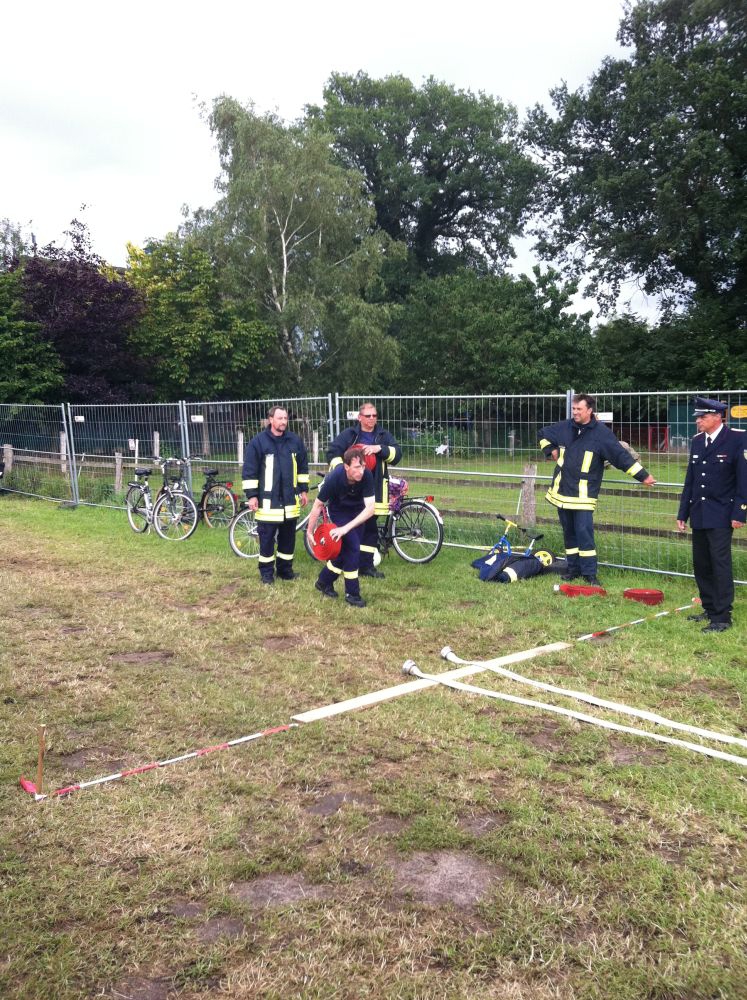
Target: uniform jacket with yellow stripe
x=276, y=470
x=582, y=452
x=390, y=454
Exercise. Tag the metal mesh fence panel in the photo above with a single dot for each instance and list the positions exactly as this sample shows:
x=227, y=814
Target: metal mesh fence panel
x=478, y=456
x=218, y=432
x=636, y=526
x=111, y=440
x=36, y=451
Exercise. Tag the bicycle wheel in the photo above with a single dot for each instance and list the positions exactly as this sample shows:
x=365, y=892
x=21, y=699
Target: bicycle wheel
x=137, y=510
x=242, y=535
x=218, y=507
x=417, y=531
x=175, y=516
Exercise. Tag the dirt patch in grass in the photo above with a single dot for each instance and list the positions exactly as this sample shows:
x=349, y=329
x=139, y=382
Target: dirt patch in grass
x=621, y=754
x=148, y=656
x=332, y=802
x=220, y=927
x=72, y=629
x=719, y=690
x=184, y=908
x=439, y=877
x=102, y=757
x=39, y=611
x=278, y=890
x=387, y=826
x=282, y=643
x=543, y=734
x=479, y=826
x=140, y=988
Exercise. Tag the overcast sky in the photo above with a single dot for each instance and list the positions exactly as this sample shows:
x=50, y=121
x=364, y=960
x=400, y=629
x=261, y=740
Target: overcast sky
x=100, y=101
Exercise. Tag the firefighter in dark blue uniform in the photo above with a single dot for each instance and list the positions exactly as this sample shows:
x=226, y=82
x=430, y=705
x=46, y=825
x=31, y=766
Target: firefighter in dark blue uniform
x=580, y=447
x=276, y=480
x=381, y=451
x=349, y=491
x=714, y=500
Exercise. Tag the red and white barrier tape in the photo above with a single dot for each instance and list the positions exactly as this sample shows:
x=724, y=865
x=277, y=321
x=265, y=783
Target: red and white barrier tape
x=30, y=787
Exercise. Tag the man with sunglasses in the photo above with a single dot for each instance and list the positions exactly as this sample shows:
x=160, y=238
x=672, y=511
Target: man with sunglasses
x=380, y=450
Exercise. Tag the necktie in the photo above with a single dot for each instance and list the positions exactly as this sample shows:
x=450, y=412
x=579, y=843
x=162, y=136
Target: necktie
x=708, y=441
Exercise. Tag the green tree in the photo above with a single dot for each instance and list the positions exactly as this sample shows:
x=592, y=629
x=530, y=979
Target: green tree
x=292, y=231
x=198, y=345
x=467, y=332
x=443, y=168
x=30, y=369
x=646, y=165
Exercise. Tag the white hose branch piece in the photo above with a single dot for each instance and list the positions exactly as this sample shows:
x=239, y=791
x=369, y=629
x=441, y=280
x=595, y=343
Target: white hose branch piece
x=413, y=669
x=612, y=706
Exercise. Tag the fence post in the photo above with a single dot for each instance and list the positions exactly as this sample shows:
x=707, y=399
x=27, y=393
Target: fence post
x=8, y=458
x=67, y=423
x=240, y=447
x=337, y=417
x=184, y=428
x=156, y=444
x=63, y=453
x=569, y=403
x=528, y=498
x=315, y=448
x=118, y=471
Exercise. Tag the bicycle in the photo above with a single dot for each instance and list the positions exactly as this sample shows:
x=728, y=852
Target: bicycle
x=503, y=545
x=217, y=504
x=413, y=527
x=173, y=514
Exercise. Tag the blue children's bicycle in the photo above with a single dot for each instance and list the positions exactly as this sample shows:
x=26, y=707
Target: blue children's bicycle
x=503, y=545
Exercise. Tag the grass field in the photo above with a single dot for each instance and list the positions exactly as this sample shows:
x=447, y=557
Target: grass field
x=438, y=845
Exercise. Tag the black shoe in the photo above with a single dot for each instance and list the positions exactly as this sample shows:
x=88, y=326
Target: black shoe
x=702, y=617
x=267, y=580
x=327, y=591
x=569, y=576
x=288, y=576
x=357, y=602
x=717, y=627
x=371, y=571
x=593, y=581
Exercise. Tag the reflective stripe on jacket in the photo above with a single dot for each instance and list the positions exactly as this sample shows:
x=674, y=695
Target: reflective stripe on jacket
x=582, y=451
x=275, y=471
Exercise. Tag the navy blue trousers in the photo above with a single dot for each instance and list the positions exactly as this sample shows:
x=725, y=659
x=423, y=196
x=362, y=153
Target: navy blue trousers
x=286, y=544
x=578, y=536
x=348, y=561
x=713, y=571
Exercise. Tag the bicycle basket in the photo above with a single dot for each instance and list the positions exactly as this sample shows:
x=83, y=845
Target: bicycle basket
x=397, y=488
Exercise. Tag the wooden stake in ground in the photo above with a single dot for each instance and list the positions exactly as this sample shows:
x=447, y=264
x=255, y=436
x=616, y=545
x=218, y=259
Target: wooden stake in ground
x=40, y=765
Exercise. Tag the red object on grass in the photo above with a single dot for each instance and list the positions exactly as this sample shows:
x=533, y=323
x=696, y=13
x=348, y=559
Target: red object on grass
x=643, y=595
x=577, y=590
x=324, y=546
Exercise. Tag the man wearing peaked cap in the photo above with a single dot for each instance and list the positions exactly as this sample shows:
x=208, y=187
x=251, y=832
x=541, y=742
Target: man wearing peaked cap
x=714, y=500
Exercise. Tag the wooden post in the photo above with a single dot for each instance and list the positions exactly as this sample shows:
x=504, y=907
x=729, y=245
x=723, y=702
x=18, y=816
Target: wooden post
x=40, y=765
x=315, y=448
x=63, y=452
x=117, y=471
x=528, y=500
x=156, y=444
x=8, y=458
x=240, y=447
